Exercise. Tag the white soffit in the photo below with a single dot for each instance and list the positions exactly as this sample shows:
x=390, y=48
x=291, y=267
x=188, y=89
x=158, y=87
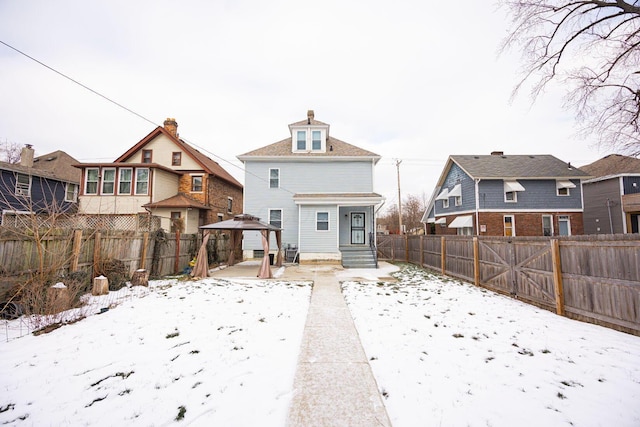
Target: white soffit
x=462, y=222
x=512, y=186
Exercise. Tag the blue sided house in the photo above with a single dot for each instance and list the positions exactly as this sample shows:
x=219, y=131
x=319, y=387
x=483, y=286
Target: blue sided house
x=319, y=191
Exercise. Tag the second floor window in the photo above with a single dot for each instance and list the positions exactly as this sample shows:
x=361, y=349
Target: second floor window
x=176, y=158
x=91, y=182
x=142, y=181
x=146, y=156
x=108, y=181
x=23, y=185
x=71, y=192
x=196, y=184
x=274, y=178
x=229, y=204
x=301, y=140
x=124, y=185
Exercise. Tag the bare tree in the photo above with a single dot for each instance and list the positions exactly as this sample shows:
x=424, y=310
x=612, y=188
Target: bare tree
x=412, y=211
x=10, y=151
x=593, y=45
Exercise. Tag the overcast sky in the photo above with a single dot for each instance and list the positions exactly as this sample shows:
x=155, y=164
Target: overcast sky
x=409, y=80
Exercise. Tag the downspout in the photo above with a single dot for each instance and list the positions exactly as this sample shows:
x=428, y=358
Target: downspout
x=477, y=182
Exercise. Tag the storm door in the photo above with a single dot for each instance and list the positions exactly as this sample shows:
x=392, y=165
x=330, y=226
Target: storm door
x=357, y=228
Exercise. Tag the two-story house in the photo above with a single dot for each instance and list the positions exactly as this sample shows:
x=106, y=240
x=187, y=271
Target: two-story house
x=612, y=196
x=507, y=195
x=46, y=185
x=163, y=176
x=319, y=190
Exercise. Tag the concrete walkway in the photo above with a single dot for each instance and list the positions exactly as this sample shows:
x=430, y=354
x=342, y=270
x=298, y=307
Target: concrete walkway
x=333, y=384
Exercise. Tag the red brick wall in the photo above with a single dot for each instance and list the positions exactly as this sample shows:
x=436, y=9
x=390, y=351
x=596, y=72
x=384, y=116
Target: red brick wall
x=526, y=224
x=218, y=192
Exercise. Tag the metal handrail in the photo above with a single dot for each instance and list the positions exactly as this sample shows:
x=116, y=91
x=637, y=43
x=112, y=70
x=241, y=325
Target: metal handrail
x=372, y=246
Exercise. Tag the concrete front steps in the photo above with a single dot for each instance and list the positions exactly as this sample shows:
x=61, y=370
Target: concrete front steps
x=357, y=257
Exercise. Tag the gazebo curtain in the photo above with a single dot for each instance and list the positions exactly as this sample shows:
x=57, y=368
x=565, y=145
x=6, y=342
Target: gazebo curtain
x=265, y=269
x=201, y=269
x=236, y=239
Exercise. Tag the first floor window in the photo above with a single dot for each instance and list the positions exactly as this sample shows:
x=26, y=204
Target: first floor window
x=509, y=226
x=142, y=181
x=196, y=183
x=275, y=217
x=322, y=221
x=175, y=221
x=124, y=185
x=91, y=182
x=23, y=185
x=564, y=225
x=229, y=204
x=108, y=181
x=547, y=225
x=71, y=192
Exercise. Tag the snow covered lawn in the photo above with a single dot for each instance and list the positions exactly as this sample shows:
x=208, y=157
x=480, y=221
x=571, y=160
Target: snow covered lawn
x=445, y=353
x=207, y=353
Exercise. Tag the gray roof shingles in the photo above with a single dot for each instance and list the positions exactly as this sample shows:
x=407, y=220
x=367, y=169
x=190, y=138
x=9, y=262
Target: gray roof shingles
x=335, y=148
x=517, y=166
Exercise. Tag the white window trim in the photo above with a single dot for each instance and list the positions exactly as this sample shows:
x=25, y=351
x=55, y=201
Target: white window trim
x=75, y=192
x=229, y=199
x=513, y=225
x=567, y=219
x=551, y=222
x=121, y=181
x=202, y=183
x=102, y=181
x=20, y=189
x=563, y=188
x=281, y=216
x=87, y=182
x=328, y=221
x=457, y=200
x=312, y=132
x=445, y=203
x=135, y=188
x=269, y=180
x=515, y=197
x=308, y=143
x=306, y=136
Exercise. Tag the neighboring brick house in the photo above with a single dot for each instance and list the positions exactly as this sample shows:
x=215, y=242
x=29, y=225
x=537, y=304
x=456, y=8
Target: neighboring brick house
x=46, y=184
x=513, y=195
x=166, y=177
x=319, y=190
x=612, y=196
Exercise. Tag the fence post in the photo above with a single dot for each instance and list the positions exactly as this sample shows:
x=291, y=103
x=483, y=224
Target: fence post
x=77, y=243
x=145, y=247
x=443, y=254
x=421, y=251
x=176, y=263
x=406, y=248
x=476, y=261
x=557, y=276
x=96, y=252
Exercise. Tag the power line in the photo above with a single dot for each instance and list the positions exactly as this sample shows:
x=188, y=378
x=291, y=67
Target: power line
x=129, y=110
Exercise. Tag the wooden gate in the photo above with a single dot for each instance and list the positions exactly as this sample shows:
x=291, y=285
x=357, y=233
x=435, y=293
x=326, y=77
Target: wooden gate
x=523, y=269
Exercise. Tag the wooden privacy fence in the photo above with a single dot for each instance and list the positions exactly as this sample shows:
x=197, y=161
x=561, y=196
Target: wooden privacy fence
x=65, y=251
x=590, y=278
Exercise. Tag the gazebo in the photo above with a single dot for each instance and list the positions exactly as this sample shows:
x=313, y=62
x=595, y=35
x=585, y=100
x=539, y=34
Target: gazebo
x=237, y=225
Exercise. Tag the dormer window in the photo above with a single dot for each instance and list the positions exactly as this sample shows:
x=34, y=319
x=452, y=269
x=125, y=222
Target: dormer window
x=302, y=140
x=316, y=143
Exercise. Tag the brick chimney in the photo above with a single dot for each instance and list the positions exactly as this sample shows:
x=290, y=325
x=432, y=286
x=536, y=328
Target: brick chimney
x=26, y=156
x=171, y=126
x=310, y=116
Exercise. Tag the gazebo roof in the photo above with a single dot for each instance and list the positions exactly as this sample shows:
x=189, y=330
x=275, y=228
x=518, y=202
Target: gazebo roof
x=241, y=222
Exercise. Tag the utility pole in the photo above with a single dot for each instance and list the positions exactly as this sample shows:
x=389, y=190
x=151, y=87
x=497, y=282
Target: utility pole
x=399, y=199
